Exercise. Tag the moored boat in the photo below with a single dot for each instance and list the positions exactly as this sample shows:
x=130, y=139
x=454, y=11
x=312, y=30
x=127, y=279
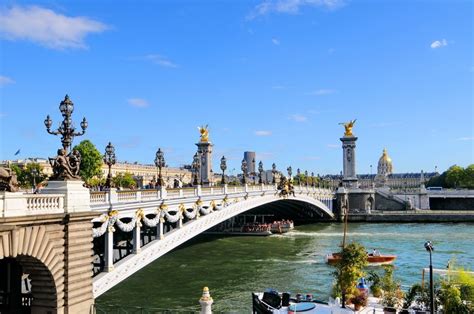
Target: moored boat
x=377, y=259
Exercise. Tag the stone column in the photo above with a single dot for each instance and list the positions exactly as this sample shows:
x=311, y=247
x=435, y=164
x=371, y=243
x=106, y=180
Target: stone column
x=205, y=159
x=76, y=196
x=136, y=238
x=109, y=249
x=206, y=301
x=159, y=232
x=349, y=161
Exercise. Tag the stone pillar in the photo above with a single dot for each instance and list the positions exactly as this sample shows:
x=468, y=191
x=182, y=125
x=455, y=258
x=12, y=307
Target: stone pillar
x=198, y=190
x=205, y=159
x=349, y=161
x=136, y=238
x=163, y=192
x=109, y=249
x=159, y=232
x=206, y=301
x=226, y=189
x=342, y=203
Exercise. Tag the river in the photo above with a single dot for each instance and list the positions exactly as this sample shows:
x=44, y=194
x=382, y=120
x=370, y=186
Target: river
x=232, y=267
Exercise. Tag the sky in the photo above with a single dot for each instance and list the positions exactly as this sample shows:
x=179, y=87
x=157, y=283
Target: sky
x=274, y=77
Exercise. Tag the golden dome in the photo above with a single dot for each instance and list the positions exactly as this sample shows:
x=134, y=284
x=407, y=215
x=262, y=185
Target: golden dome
x=385, y=166
x=385, y=157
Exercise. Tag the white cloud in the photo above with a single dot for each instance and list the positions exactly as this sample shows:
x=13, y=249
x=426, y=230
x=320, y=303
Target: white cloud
x=138, y=102
x=290, y=6
x=275, y=41
x=322, y=92
x=298, y=118
x=439, y=43
x=5, y=80
x=466, y=138
x=46, y=27
x=263, y=133
x=161, y=61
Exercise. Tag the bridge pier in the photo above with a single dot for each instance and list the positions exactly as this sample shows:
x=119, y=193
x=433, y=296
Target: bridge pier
x=136, y=238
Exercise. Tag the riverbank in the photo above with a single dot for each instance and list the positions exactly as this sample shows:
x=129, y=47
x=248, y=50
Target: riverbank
x=421, y=216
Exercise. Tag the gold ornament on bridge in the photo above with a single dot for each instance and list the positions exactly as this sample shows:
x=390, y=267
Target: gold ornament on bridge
x=204, y=131
x=348, y=127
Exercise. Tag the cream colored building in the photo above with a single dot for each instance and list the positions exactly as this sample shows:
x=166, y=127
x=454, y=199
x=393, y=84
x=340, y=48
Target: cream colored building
x=143, y=174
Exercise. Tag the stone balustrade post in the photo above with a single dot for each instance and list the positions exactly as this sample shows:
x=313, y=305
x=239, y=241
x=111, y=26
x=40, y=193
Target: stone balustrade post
x=136, y=238
x=246, y=188
x=226, y=189
x=212, y=190
x=109, y=249
x=198, y=190
x=181, y=194
x=138, y=196
x=262, y=187
x=112, y=196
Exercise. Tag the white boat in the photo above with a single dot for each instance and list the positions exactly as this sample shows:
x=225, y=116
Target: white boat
x=282, y=226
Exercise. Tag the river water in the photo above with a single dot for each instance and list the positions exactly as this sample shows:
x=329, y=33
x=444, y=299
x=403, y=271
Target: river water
x=232, y=267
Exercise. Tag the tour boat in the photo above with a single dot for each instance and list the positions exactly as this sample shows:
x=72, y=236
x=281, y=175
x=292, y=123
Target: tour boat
x=378, y=259
x=282, y=226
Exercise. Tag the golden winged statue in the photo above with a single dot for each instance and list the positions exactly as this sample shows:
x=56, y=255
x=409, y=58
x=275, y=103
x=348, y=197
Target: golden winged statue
x=348, y=127
x=204, y=131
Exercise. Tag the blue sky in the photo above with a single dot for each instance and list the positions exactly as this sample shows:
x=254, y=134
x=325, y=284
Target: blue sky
x=275, y=77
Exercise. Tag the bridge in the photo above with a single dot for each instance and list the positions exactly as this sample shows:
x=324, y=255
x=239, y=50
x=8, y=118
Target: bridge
x=75, y=244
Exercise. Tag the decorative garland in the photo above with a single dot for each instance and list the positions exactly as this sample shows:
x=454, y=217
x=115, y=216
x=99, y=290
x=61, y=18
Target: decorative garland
x=99, y=231
x=172, y=218
x=152, y=222
x=205, y=210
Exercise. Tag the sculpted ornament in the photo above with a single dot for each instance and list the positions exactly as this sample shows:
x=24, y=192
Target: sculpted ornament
x=348, y=127
x=8, y=180
x=204, y=131
x=66, y=167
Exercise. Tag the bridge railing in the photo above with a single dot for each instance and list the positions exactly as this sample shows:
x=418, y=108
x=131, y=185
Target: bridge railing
x=22, y=204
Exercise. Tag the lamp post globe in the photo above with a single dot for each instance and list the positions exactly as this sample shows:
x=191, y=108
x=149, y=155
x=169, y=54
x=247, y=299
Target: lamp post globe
x=160, y=163
x=290, y=172
x=274, y=171
x=260, y=172
x=109, y=160
x=223, y=168
x=244, y=171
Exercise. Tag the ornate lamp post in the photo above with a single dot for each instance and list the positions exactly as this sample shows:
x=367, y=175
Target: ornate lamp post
x=160, y=163
x=223, y=168
x=429, y=248
x=66, y=129
x=244, y=171
x=260, y=172
x=196, y=168
x=290, y=172
x=66, y=166
x=274, y=171
x=109, y=160
x=312, y=179
x=306, y=176
x=298, y=174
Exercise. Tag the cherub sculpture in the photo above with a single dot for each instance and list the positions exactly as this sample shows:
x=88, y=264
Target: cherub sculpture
x=348, y=127
x=204, y=130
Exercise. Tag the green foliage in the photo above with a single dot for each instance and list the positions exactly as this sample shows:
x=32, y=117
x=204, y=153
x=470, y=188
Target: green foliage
x=95, y=182
x=25, y=176
x=350, y=269
x=360, y=299
x=124, y=180
x=375, y=283
x=91, y=160
x=455, y=177
x=392, y=294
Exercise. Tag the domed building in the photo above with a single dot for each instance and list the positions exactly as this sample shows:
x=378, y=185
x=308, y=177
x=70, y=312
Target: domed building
x=385, y=166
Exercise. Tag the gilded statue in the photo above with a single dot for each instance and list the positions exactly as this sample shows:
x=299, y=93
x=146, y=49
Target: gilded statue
x=204, y=130
x=348, y=127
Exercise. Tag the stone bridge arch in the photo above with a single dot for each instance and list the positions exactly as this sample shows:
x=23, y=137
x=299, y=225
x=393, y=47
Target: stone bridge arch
x=134, y=262
x=56, y=252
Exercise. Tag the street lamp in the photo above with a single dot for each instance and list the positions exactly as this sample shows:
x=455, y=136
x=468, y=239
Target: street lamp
x=274, y=171
x=109, y=160
x=244, y=170
x=160, y=163
x=260, y=172
x=290, y=172
x=195, y=168
x=223, y=168
x=306, y=175
x=429, y=248
x=312, y=179
x=34, y=173
x=298, y=175
x=66, y=129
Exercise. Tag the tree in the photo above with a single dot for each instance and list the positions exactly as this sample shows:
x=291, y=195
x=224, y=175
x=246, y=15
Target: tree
x=469, y=177
x=349, y=270
x=91, y=160
x=26, y=177
x=455, y=176
x=124, y=180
